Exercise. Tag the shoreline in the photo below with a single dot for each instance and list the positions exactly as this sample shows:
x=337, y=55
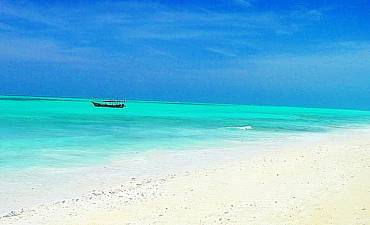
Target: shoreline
x=279, y=179
x=42, y=185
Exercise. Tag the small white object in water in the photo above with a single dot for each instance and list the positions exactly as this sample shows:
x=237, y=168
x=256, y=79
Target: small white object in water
x=246, y=128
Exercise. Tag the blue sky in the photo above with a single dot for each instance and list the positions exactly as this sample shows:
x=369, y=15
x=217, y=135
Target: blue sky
x=308, y=53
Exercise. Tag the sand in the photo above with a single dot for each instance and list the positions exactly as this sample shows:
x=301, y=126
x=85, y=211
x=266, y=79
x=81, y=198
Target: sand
x=322, y=181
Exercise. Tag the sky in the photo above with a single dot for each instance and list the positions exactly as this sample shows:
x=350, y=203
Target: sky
x=293, y=53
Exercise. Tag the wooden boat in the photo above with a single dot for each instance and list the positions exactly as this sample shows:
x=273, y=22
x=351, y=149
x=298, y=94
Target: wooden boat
x=109, y=103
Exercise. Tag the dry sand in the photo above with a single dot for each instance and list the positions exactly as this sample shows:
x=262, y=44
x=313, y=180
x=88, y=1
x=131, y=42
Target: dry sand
x=325, y=181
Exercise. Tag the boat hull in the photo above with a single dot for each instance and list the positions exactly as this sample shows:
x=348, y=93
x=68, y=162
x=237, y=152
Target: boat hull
x=97, y=104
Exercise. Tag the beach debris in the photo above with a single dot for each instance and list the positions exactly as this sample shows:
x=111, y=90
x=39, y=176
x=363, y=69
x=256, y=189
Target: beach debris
x=14, y=213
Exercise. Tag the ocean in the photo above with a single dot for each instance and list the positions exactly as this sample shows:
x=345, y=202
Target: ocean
x=66, y=132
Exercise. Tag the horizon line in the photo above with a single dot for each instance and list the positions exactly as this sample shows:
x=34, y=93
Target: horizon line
x=46, y=97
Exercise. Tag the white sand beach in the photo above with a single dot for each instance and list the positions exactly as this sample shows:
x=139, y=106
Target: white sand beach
x=319, y=180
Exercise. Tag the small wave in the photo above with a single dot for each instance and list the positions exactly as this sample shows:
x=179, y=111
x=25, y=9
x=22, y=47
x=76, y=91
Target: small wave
x=247, y=127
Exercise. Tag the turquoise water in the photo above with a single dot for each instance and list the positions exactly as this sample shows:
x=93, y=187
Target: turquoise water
x=46, y=132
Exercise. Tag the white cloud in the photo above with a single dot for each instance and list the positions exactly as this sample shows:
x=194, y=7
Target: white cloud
x=245, y=3
x=222, y=52
x=131, y=24
x=45, y=50
x=28, y=12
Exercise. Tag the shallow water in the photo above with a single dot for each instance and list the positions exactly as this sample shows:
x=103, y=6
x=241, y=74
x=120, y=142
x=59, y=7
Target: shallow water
x=46, y=132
